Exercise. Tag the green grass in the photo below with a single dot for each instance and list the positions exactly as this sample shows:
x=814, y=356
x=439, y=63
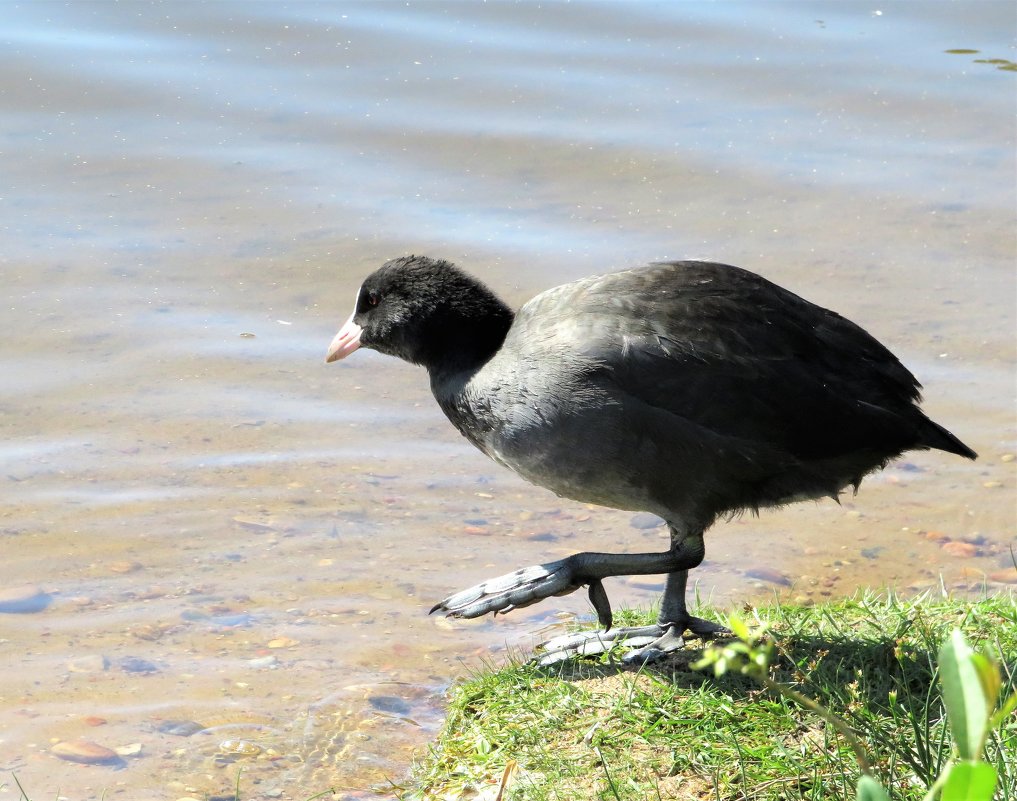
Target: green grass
x=600, y=730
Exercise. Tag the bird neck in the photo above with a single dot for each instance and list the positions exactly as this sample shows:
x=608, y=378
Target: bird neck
x=464, y=344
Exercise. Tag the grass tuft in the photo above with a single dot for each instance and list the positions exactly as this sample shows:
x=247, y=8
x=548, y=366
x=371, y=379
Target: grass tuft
x=601, y=730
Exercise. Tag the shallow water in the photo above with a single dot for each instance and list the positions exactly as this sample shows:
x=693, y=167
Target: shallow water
x=227, y=532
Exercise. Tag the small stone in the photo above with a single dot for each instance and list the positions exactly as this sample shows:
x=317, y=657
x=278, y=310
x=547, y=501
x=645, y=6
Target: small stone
x=93, y=663
x=179, y=728
x=645, y=520
x=28, y=598
x=282, y=642
x=130, y=750
x=263, y=662
x=475, y=530
x=1007, y=576
x=389, y=703
x=234, y=620
x=125, y=567
x=135, y=664
x=251, y=524
x=84, y=751
x=325, y=562
x=1007, y=457
x=768, y=574
x=239, y=748
x=962, y=550
x=992, y=484
x=936, y=536
x=94, y=720
x=148, y=631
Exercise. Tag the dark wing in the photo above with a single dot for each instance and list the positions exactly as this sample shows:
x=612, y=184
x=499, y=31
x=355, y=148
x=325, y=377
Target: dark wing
x=735, y=354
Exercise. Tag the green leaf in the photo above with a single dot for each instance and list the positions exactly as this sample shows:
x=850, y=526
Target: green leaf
x=964, y=696
x=739, y=627
x=871, y=790
x=988, y=675
x=969, y=781
x=1005, y=710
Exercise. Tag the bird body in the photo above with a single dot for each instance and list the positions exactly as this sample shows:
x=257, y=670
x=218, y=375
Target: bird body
x=687, y=389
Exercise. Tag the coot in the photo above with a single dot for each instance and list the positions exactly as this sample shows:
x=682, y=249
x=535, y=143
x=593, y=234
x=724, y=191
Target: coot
x=687, y=389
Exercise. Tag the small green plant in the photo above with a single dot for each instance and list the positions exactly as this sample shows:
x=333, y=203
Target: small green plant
x=970, y=682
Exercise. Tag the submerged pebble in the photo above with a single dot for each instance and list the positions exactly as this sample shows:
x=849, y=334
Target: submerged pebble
x=28, y=598
x=962, y=550
x=125, y=566
x=1008, y=576
x=239, y=748
x=232, y=621
x=92, y=663
x=84, y=751
x=768, y=574
x=258, y=526
x=389, y=703
x=645, y=520
x=179, y=728
x=135, y=664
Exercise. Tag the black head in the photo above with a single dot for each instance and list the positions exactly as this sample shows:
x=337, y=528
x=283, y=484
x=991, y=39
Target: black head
x=427, y=312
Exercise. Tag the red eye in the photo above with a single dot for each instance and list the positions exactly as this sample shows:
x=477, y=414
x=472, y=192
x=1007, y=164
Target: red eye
x=373, y=298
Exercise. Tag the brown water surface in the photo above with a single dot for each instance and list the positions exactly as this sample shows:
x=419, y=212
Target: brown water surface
x=234, y=546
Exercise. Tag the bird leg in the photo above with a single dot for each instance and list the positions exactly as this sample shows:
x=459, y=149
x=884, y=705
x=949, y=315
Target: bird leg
x=532, y=584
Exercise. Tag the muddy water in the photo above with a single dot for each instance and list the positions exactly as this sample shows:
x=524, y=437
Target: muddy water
x=232, y=546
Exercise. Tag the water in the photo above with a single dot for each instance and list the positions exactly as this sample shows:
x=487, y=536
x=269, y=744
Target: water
x=266, y=532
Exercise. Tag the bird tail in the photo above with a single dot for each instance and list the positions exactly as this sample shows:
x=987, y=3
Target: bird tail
x=935, y=436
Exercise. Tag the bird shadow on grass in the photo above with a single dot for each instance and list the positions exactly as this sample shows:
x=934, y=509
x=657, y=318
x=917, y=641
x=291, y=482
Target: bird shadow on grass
x=884, y=689
x=833, y=670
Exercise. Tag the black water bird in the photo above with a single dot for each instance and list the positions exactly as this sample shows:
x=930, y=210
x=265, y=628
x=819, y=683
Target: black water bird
x=687, y=389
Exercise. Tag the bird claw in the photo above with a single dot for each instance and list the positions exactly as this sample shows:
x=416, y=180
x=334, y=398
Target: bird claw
x=647, y=644
x=515, y=590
